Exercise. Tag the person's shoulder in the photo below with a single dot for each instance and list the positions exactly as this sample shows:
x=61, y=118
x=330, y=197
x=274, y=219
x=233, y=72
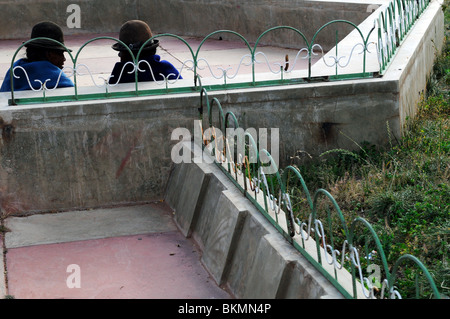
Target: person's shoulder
x=38, y=65
x=21, y=62
x=158, y=59
x=155, y=58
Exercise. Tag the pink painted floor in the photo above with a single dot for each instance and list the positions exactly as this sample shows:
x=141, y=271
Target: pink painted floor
x=150, y=266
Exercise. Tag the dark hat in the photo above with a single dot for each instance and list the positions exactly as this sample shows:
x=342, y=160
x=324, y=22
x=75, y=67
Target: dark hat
x=134, y=34
x=50, y=30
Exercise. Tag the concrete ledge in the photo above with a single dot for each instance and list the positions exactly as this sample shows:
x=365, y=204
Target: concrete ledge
x=414, y=60
x=239, y=246
x=276, y=265
x=41, y=229
x=225, y=232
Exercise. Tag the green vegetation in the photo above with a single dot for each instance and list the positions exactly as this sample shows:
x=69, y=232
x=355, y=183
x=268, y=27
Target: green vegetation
x=403, y=190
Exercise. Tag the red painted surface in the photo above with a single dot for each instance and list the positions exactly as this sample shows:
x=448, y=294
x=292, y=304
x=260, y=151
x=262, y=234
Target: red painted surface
x=162, y=265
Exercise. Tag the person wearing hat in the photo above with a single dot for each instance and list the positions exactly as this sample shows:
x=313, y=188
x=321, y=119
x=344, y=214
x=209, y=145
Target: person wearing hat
x=44, y=61
x=134, y=34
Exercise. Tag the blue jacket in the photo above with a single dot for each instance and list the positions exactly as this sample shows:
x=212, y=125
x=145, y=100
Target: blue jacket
x=39, y=70
x=158, y=67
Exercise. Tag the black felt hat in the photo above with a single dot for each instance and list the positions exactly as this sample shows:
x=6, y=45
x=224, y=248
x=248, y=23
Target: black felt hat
x=50, y=30
x=134, y=34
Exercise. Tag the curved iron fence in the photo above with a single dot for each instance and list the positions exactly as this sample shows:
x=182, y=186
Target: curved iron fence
x=349, y=254
x=392, y=26
x=394, y=23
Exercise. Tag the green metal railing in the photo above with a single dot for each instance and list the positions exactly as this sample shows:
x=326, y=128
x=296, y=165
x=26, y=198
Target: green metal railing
x=392, y=26
x=394, y=23
x=253, y=54
x=337, y=241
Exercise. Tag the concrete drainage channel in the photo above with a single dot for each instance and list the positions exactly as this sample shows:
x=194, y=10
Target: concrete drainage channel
x=240, y=248
x=168, y=249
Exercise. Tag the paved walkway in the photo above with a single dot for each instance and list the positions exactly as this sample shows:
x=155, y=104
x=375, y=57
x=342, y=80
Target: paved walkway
x=131, y=252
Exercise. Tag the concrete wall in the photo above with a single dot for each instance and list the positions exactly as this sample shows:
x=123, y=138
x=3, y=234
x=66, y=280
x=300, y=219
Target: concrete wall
x=415, y=58
x=312, y=117
x=239, y=246
x=87, y=155
x=185, y=18
x=100, y=153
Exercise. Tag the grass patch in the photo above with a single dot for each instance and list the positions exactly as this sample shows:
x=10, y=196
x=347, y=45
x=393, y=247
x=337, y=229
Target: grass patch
x=403, y=190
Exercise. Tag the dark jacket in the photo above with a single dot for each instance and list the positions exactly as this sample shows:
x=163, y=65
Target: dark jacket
x=157, y=67
x=38, y=70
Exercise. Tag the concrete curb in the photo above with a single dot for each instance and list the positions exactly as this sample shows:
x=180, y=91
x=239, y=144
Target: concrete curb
x=240, y=248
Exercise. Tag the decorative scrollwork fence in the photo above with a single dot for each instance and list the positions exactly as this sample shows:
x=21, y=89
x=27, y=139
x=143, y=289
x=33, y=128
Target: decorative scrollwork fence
x=394, y=23
x=392, y=27
x=349, y=254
